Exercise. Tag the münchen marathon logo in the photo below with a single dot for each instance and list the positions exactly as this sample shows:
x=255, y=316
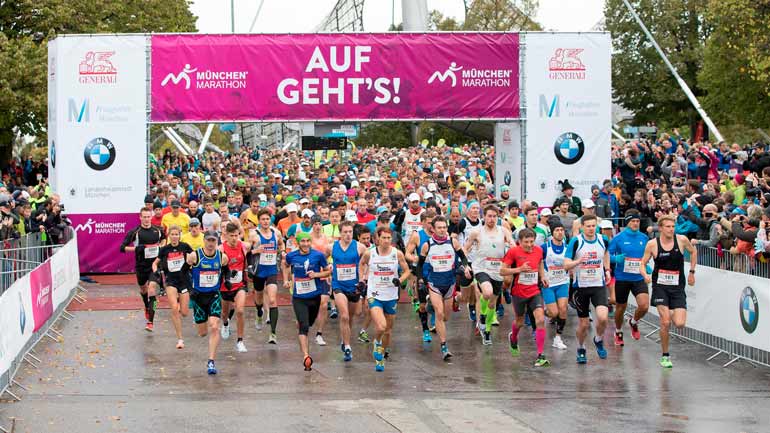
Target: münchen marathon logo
x=749, y=310
x=569, y=148
x=99, y=153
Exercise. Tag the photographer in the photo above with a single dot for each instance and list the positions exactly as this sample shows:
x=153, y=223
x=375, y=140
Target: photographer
x=8, y=220
x=709, y=230
x=55, y=223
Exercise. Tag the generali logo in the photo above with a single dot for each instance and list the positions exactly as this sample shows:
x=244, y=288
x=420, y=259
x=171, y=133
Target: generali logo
x=566, y=64
x=97, y=68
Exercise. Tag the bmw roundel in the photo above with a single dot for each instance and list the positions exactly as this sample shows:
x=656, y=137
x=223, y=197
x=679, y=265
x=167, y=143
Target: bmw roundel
x=99, y=153
x=749, y=310
x=569, y=148
x=52, y=157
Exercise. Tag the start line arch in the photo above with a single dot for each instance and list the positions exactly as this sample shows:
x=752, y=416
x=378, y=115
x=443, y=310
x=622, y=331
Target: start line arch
x=549, y=94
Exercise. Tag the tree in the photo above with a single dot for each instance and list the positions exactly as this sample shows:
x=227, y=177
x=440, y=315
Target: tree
x=386, y=134
x=641, y=81
x=736, y=71
x=27, y=25
x=490, y=15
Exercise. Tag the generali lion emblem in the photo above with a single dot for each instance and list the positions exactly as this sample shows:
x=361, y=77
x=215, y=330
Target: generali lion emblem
x=566, y=64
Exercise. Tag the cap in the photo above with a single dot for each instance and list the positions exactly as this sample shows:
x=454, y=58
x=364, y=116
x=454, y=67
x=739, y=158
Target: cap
x=262, y=197
x=307, y=213
x=595, y=188
x=354, y=184
x=148, y=198
x=241, y=182
x=5, y=200
x=210, y=234
x=302, y=235
x=414, y=197
x=372, y=179
x=605, y=224
x=588, y=203
x=291, y=207
x=428, y=196
x=157, y=205
x=195, y=222
x=304, y=200
x=546, y=212
x=432, y=187
x=175, y=204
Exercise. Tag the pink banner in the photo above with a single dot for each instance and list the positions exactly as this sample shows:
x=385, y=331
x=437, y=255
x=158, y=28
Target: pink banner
x=99, y=239
x=335, y=77
x=41, y=291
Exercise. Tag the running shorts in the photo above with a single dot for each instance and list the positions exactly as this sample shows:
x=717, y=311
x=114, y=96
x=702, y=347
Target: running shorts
x=623, y=288
x=551, y=294
x=671, y=297
x=446, y=292
x=462, y=281
x=260, y=283
x=388, y=307
x=205, y=305
x=583, y=297
x=520, y=304
x=143, y=276
x=497, y=286
x=352, y=296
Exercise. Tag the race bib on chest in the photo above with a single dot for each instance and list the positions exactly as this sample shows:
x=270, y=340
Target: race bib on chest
x=557, y=276
x=590, y=276
x=346, y=272
x=303, y=286
x=175, y=261
x=209, y=279
x=442, y=263
x=528, y=278
x=151, y=251
x=668, y=278
x=268, y=258
x=384, y=279
x=493, y=263
x=632, y=266
x=235, y=277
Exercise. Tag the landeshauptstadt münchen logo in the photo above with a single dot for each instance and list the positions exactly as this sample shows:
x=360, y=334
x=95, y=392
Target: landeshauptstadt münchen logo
x=569, y=148
x=99, y=153
x=749, y=310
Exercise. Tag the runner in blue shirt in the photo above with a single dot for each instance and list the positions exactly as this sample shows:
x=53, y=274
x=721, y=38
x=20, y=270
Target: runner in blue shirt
x=346, y=254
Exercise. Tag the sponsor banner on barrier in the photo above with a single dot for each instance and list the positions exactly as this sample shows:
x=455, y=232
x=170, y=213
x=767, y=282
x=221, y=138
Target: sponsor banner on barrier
x=41, y=293
x=508, y=158
x=569, y=113
x=16, y=321
x=65, y=272
x=98, y=122
x=335, y=76
x=730, y=305
x=99, y=238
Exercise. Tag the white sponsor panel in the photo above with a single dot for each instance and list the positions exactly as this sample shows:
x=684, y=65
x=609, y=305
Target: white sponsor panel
x=568, y=106
x=16, y=321
x=52, y=114
x=65, y=273
x=508, y=158
x=98, y=121
x=730, y=305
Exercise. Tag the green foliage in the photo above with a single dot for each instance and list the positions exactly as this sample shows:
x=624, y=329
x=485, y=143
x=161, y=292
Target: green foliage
x=490, y=15
x=385, y=134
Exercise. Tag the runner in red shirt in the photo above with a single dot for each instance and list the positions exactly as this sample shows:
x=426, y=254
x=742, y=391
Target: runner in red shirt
x=234, y=288
x=526, y=263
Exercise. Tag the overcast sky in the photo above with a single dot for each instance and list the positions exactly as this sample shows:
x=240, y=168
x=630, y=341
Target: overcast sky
x=297, y=16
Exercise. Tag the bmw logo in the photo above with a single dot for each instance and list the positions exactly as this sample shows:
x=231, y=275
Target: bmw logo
x=22, y=315
x=569, y=148
x=99, y=153
x=507, y=178
x=52, y=157
x=749, y=310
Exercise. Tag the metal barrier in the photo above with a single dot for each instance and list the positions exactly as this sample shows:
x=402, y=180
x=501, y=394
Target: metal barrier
x=722, y=259
x=19, y=256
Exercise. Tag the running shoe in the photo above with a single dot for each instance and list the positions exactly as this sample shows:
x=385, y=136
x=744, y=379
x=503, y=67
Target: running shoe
x=319, y=339
x=148, y=327
x=387, y=353
x=272, y=339
x=472, y=313
x=240, y=347
x=225, y=331
x=258, y=323
x=426, y=338
x=500, y=311
x=559, y=343
x=147, y=314
x=455, y=304
x=665, y=362
x=634, y=329
x=377, y=352
x=211, y=368
x=363, y=336
x=445, y=353
x=487, y=338
x=432, y=322
x=507, y=296
x=180, y=344
x=267, y=321
x=416, y=305
x=495, y=321
x=541, y=361
x=348, y=355
x=514, y=346
x=307, y=363
x=581, y=356
x=379, y=366
x=333, y=314
x=619, y=338
x=600, y=350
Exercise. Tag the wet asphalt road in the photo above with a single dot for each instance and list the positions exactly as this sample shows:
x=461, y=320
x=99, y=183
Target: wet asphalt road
x=109, y=375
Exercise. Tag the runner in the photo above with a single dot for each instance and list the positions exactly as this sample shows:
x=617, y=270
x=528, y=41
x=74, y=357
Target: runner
x=415, y=242
x=588, y=255
x=145, y=242
x=303, y=271
x=438, y=263
x=668, y=293
x=346, y=254
x=410, y=221
x=266, y=249
x=380, y=266
x=525, y=262
x=234, y=294
x=194, y=238
x=490, y=242
x=320, y=243
x=468, y=287
x=209, y=265
x=176, y=217
x=363, y=236
x=176, y=276
x=556, y=292
x=626, y=251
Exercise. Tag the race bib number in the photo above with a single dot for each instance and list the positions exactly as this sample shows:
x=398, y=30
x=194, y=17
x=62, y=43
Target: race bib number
x=384, y=280
x=557, y=276
x=175, y=261
x=632, y=266
x=668, y=278
x=268, y=258
x=528, y=278
x=590, y=276
x=346, y=272
x=442, y=263
x=209, y=279
x=236, y=277
x=151, y=251
x=303, y=286
x=493, y=263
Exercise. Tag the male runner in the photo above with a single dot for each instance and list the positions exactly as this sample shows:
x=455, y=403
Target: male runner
x=668, y=293
x=380, y=267
x=525, y=262
x=172, y=262
x=556, y=292
x=588, y=255
x=626, y=251
x=209, y=267
x=364, y=237
x=235, y=293
x=416, y=241
x=304, y=269
x=468, y=288
x=438, y=261
x=412, y=222
x=193, y=238
x=346, y=254
x=266, y=249
x=490, y=241
x=145, y=242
